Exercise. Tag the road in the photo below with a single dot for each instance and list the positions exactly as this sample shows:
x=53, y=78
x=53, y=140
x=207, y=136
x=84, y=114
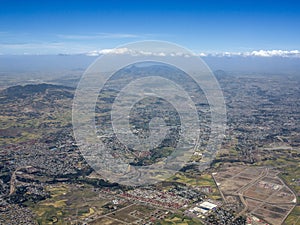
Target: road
x=13, y=179
x=241, y=191
x=107, y=215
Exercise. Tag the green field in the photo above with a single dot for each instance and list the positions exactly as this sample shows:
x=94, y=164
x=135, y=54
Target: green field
x=198, y=180
x=177, y=219
x=294, y=217
x=68, y=202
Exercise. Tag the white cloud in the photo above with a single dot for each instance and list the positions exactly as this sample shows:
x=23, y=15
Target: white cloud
x=120, y=51
x=71, y=48
x=257, y=53
x=202, y=54
x=281, y=53
x=112, y=51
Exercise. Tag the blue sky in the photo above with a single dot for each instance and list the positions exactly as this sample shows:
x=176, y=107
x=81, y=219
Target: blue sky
x=40, y=27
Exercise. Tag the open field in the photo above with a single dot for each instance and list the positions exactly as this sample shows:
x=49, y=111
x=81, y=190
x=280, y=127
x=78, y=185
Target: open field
x=294, y=217
x=106, y=221
x=196, y=180
x=178, y=220
x=132, y=214
x=68, y=202
x=261, y=191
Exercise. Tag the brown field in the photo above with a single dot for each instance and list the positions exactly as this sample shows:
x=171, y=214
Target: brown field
x=252, y=204
x=270, y=216
x=106, y=221
x=258, y=193
x=132, y=213
x=262, y=192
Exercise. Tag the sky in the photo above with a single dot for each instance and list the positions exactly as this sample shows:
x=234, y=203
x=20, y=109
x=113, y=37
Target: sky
x=67, y=27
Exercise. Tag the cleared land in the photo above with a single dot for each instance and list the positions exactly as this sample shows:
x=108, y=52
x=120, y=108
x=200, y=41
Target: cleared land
x=260, y=189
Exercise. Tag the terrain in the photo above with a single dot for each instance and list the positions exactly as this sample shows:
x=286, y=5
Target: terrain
x=44, y=179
